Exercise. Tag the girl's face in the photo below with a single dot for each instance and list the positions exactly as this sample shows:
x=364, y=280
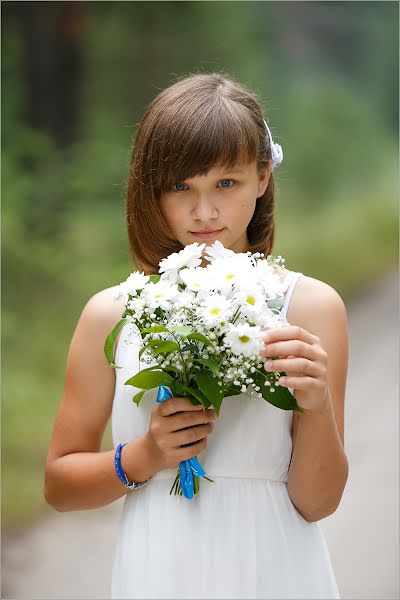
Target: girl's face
x=221, y=202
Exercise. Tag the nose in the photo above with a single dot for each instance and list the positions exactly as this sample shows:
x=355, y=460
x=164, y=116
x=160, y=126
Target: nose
x=204, y=209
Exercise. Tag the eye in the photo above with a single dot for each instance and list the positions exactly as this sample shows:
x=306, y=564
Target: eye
x=179, y=189
x=226, y=180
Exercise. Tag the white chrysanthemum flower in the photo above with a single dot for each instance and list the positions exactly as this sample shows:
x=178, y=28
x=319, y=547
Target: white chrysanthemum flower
x=251, y=302
x=217, y=250
x=269, y=320
x=269, y=279
x=136, y=281
x=190, y=256
x=226, y=273
x=184, y=299
x=244, y=340
x=213, y=282
x=215, y=310
x=160, y=294
x=194, y=279
x=137, y=305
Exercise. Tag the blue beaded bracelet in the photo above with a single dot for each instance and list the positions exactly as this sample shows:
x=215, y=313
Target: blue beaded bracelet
x=122, y=476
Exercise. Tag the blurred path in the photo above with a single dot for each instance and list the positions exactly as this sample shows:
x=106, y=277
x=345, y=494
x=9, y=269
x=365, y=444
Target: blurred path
x=69, y=555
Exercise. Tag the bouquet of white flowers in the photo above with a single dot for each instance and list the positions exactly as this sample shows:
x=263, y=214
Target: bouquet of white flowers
x=201, y=329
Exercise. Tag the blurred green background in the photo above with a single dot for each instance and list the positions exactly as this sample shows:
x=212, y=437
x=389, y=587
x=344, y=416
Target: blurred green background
x=77, y=77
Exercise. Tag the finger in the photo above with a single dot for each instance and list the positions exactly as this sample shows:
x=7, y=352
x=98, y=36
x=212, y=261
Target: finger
x=177, y=404
x=187, y=436
x=188, y=419
x=291, y=347
x=300, y=383
x=292, y=366
x=190, y=451
x=288, y=333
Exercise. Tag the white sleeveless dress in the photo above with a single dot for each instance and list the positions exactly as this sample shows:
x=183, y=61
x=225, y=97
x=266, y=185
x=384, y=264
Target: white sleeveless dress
x=241, y=536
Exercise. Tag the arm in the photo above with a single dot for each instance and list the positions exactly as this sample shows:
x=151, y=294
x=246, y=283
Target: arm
x=316, y=359
x=77, y=474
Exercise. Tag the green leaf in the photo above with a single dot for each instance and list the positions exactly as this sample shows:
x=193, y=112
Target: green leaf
x=166, y=346
x=281, y=398
x=153, y=343
x=171, y=368
x=109, y=346
x=275, y=303
x=160, y=346
x=141, y=351
x=155, y=278
x=182, y=330
x=208, y=362
x=148, y=379
x=198, y=394
x=190, y=348
x=155, y=329
x=178, y=388
x=201, y=337
x=232, y=391
x=208, y=385
x=137, y=398
x=151, y=368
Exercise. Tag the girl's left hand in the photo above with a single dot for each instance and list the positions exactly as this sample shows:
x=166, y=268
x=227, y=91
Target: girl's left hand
x=305, y=362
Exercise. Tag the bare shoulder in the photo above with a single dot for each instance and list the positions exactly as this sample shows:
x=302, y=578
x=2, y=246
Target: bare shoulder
x=313, y=302
x=103, y=308
x=98, y=318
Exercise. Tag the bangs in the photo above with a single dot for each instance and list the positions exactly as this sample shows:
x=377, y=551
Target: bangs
x=183, y=145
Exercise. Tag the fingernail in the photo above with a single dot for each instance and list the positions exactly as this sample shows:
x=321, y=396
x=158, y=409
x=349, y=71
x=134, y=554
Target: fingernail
x=268, y=365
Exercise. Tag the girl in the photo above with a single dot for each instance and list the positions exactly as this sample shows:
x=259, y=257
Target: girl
x=201, y=169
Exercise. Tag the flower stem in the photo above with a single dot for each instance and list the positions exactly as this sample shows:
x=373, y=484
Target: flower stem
x=236, y=315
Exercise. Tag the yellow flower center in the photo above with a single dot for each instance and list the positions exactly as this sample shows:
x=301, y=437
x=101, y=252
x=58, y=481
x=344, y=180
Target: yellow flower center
x=215, y=311
x=244, y=339
x=250, y=300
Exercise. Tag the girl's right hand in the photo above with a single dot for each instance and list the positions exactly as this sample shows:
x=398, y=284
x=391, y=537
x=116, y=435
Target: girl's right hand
x=167, y=431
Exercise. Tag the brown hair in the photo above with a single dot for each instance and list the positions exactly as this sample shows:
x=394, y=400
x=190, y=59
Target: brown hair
x=199, y=122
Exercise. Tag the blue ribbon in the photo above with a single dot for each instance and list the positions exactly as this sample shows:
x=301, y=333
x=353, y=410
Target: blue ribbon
x=188, y=467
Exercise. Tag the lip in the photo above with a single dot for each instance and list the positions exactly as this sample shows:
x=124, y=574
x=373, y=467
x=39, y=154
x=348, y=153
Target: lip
x=206, y=234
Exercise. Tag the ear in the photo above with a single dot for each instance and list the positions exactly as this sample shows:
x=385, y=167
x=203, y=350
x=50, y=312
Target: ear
x=263, y=179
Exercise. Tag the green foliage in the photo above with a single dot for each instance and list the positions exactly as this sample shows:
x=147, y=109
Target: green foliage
x=208, y=385
x=148, y=379
x=281, y=398
x=109, y=345
x=208, y=362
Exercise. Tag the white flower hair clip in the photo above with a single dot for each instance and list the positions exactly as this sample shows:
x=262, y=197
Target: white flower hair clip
x=276, y=150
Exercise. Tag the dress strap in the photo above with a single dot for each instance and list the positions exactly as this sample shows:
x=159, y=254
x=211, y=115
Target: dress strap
x=293, y=277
